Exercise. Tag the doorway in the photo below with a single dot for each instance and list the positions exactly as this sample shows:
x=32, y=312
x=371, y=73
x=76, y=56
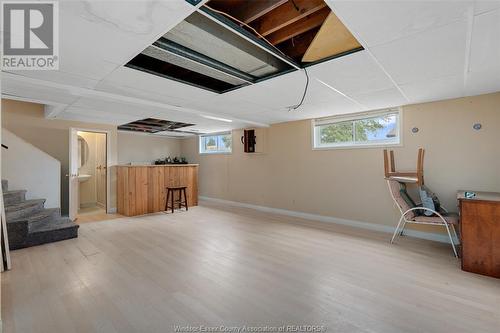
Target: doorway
x=89, y=174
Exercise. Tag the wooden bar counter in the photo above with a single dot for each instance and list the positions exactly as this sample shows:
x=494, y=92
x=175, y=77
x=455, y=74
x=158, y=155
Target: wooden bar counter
x=141, y=189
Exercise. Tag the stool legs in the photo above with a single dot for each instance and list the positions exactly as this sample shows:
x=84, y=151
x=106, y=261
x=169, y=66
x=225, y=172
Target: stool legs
x=185, y=199
x=172, y=202
x=171, y=197
x=166, y=201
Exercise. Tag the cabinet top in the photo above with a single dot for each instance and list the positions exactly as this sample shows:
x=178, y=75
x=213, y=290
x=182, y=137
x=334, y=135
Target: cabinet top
x=480, y=196
x=159, y=165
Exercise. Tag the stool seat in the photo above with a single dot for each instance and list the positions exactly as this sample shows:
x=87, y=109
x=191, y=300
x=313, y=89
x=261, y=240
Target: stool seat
x=170, y=195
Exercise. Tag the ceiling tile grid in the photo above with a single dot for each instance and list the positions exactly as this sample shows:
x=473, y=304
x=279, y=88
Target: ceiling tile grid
x=415, y=51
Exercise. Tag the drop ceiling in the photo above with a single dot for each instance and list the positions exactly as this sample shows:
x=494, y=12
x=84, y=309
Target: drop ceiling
x=414, y=52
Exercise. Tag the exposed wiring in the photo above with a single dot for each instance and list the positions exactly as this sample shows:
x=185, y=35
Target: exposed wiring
x=295, y=107
x=246, y=25
x=290, y=108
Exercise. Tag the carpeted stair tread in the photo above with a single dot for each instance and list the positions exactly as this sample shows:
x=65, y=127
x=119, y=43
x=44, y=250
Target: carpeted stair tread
x=62, y=223
x=14, y=197
x=23, y=205
x=30, y=224
x=13, y=192
x=23, y=209
x=47, y=212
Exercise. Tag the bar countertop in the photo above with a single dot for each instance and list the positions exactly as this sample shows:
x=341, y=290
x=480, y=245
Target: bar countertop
x=156, y=165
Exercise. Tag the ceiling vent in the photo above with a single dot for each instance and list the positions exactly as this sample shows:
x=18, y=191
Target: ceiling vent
x=228, y=44
x=152, y=125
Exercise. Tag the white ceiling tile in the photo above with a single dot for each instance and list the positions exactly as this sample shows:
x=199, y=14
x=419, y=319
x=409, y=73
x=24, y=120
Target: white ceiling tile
x=355, y=73
x=435, y=89
x=124, y=29
x=485, y=44
x=381, y=99
x=378, y=22
x=60, y=77
x=430, y=54
x=483, y=82
x=133, y=82
x=94, y=116
x=486, y=6
x=279, y=92
x=114, y=107
x=36, y=92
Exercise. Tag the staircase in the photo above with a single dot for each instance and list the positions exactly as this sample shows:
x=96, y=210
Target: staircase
x=29, y=223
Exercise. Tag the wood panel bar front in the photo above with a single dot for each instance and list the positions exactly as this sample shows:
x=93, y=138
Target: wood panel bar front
x=142, y=189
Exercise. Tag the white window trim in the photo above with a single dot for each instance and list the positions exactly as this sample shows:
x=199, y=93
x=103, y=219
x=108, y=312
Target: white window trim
x=218, y=152
x=357, y=116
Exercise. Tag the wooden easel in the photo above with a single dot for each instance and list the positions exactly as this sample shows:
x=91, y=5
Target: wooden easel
x=416, y=177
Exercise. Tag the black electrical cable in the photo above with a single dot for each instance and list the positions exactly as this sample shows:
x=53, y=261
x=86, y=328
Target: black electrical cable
x=295, y=107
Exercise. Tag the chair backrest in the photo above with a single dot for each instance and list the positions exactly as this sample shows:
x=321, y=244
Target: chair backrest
x=397, y=196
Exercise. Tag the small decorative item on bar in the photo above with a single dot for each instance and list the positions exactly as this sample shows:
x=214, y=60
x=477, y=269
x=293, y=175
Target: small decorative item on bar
x=169, y=160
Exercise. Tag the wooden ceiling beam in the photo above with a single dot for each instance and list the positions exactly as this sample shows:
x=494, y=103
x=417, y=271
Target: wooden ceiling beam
x=298, y=47
x=256, y=9
x=305, y=24
x=286, y=14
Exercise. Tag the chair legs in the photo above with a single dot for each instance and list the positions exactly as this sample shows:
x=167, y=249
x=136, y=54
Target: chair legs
x=451, y=239
x=397, y=228
x=403, y=222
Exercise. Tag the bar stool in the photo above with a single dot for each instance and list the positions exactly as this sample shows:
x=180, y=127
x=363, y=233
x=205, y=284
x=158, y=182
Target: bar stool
x=171, y=191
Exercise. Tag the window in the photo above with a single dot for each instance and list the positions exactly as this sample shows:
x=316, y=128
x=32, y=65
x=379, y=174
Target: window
x=361, y=130
x=216, y=143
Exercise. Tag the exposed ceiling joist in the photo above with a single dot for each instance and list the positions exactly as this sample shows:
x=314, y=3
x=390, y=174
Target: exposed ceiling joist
x=260, y=8
x=305, y=24
x=286, y=14
x=299, y=46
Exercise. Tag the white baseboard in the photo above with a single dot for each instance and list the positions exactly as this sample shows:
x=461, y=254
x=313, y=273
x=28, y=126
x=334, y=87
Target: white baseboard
x=330, y=219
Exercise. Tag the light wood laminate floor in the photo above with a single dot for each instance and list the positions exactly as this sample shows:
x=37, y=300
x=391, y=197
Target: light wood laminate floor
x=217, y=265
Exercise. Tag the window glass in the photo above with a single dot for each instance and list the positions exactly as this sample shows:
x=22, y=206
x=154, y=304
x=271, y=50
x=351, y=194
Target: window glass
x=380, y=129
x=216, y=143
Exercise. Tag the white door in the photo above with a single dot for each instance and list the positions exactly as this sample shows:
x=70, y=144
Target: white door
x=101, y=169
x=74, y=201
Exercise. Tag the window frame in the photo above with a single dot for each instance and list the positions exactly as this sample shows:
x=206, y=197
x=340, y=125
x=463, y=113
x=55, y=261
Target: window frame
x=353, y=117
x=216, y=152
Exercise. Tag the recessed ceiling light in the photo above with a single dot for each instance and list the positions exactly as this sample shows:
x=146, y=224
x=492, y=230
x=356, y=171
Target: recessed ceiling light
x=217, y=118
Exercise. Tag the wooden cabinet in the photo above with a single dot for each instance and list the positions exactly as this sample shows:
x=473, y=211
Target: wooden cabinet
x=256, y=136
x=480, y=233
x=142, y=189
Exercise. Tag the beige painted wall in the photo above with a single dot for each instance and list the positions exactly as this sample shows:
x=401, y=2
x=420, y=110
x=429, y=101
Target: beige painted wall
x=349, y=183
x=141, y=148
x=27, y=121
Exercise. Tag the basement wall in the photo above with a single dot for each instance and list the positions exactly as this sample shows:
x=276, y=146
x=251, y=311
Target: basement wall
x=349, y=183
x=143, y=148
x=27, y=121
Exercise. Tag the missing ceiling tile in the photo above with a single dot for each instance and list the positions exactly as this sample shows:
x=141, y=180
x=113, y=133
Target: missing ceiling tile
x=152, y=125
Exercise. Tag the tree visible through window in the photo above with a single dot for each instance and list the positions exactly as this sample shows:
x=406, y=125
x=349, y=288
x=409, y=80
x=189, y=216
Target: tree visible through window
x=380, y=129
x=215, y=143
